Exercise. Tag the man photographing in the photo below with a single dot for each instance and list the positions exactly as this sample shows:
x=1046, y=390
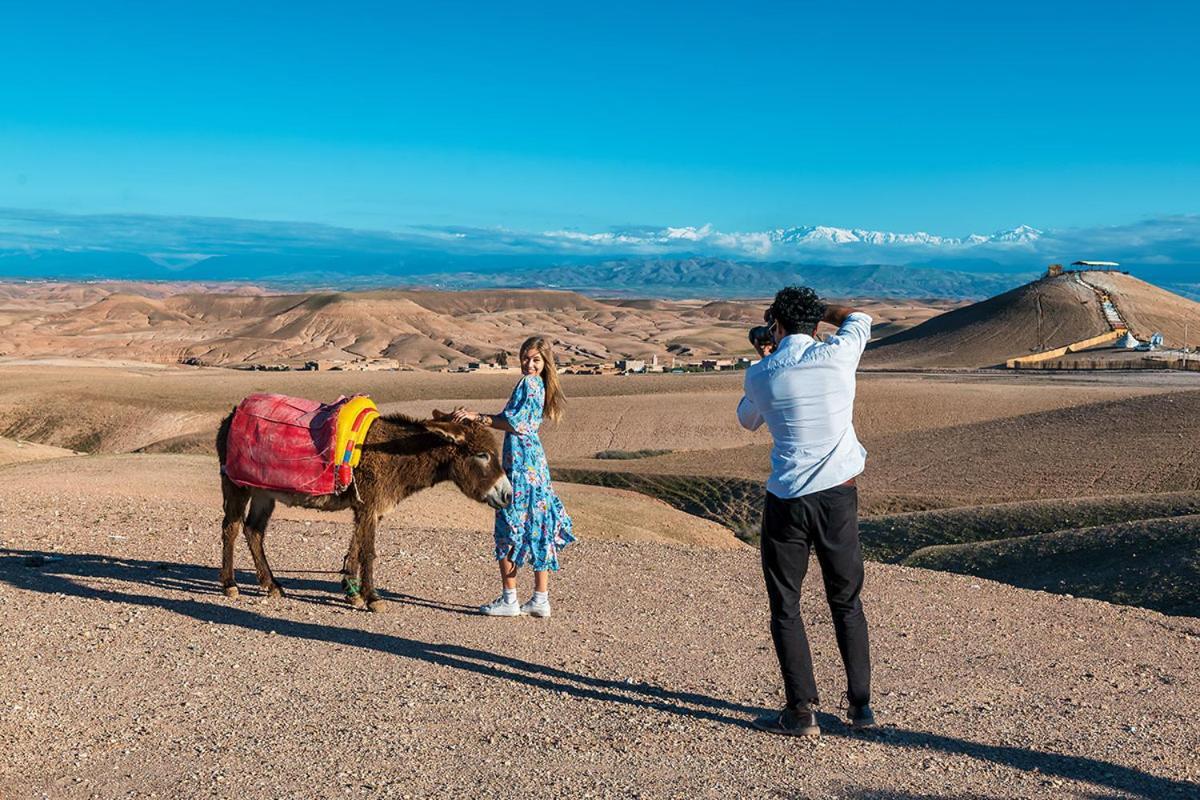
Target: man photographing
x=804, y=392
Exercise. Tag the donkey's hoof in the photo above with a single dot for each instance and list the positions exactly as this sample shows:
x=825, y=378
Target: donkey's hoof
x=356, y=601
x=275, y=591
x=378, y=606
x=231, y=591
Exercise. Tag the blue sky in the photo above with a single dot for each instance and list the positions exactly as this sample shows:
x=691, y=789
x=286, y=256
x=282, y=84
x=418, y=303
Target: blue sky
x=948, y=117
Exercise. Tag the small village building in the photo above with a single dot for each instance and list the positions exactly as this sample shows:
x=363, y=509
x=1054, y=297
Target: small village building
x=630, y=365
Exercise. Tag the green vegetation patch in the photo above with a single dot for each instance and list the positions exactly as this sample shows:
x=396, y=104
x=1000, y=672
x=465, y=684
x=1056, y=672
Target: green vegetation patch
x=892, y=538
x=735, y=503
x=627, y=455
x=1149, y=563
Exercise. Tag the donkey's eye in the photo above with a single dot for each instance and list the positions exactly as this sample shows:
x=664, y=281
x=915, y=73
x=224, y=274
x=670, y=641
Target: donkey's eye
x=483, y=456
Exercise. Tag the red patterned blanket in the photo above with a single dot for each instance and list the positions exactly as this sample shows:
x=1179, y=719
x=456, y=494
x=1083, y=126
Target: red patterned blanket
x=286, y=444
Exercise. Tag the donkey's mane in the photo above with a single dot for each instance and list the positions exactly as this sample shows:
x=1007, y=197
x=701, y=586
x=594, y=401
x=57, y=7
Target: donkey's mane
x=403, y=419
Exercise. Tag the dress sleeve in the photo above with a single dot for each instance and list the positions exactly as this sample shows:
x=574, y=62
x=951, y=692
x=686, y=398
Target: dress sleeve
x=521, y=413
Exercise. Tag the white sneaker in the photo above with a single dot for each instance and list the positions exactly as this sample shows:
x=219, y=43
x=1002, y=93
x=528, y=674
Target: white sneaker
x=535, y=609
x=499, y=608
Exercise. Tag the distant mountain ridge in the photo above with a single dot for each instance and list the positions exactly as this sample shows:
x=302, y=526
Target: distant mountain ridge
x=692, y=277
x=672, y=261
x=802, y=235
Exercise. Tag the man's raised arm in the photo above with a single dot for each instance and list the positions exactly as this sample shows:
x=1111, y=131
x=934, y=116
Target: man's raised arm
x=836, y=315
x=854, y=326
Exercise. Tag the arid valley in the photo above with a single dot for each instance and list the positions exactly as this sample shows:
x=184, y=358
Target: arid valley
x=1034, y=540
x=600, y=401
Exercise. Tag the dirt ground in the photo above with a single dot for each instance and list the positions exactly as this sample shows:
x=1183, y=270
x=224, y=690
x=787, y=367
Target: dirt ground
x=128, y=674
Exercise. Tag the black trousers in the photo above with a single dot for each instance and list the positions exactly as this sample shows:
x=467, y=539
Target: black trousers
x=825, y=522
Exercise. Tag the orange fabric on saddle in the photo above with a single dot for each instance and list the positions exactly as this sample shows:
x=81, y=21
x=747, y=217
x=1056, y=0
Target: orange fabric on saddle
x=286, y=444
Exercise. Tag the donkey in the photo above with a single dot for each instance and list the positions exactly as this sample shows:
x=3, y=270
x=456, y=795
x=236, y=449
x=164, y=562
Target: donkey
x=400, y=456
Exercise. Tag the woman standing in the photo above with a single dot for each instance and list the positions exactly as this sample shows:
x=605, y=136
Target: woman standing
x=535, y=526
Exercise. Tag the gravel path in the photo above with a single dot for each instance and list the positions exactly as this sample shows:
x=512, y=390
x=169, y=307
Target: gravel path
x=127, y=674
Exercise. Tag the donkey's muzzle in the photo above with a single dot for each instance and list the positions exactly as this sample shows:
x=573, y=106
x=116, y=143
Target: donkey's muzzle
x=501, y=493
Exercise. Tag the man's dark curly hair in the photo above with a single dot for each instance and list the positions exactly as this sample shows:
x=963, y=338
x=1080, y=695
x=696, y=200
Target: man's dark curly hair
x=797, y=309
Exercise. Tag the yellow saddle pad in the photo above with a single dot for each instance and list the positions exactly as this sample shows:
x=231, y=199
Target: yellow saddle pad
x=353, y=422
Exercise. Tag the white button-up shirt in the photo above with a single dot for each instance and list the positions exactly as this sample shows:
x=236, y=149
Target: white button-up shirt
x=804, y=391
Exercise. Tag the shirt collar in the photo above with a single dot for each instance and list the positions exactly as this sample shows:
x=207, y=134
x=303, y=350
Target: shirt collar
x=795, y=339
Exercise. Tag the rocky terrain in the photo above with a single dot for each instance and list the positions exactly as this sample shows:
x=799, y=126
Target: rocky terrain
x=130, y=675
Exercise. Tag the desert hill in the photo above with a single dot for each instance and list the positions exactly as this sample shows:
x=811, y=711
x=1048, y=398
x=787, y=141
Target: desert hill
x=161, y=323
x=1047, y=313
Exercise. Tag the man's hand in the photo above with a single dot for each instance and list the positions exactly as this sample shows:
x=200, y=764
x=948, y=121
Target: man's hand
x=835, y=316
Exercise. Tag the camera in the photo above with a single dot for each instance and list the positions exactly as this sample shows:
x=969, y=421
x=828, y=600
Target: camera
x=761, y=337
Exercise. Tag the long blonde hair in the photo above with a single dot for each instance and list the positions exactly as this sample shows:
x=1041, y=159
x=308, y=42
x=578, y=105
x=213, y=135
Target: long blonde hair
x=552, y=407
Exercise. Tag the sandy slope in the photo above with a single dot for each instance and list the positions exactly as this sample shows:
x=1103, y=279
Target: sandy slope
x=1150, y=310
x=993, y=439
x=128, y=675
x=15, y=451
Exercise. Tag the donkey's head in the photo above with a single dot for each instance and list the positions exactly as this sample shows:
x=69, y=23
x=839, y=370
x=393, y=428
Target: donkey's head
x=475, y=466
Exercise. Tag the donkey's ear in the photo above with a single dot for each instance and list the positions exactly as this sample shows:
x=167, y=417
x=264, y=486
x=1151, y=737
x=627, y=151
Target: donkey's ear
x=440, y=415
x=452, y=432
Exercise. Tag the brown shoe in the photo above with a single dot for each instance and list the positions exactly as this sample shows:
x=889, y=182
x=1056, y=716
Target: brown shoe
x=790, y=722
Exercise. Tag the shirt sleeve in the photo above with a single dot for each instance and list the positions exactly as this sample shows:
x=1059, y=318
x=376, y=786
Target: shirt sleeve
x=748, y=414
x=854, y=335
x=523, y=407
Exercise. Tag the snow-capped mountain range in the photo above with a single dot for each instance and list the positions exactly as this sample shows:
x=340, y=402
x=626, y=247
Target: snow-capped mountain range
x=771, y=242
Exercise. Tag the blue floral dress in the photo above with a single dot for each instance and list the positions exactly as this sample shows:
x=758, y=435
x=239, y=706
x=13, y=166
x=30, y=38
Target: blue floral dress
x=535, y=526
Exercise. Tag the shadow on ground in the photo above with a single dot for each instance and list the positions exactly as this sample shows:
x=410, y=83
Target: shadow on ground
x=61, y=573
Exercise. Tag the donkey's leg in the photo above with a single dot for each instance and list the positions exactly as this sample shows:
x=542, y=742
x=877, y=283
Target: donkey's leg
x=351, y=569
x=367, y=557
x=261, y=508
x=235, y=499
